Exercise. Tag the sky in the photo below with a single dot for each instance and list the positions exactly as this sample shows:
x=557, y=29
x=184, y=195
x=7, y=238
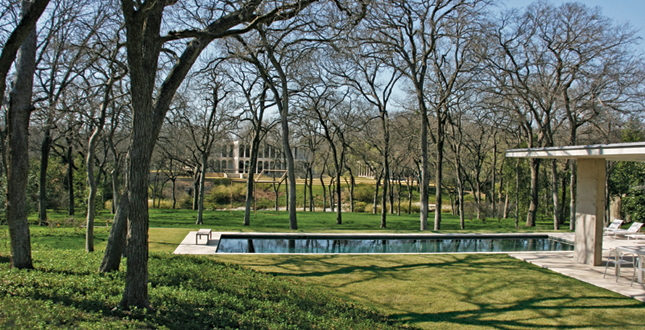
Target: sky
x=621, y=11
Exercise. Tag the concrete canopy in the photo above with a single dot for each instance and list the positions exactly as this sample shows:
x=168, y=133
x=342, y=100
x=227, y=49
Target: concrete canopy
x=616, y=151
x=590, y=192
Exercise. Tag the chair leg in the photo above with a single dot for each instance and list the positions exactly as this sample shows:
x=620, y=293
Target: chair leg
x=609, y=260
x=637, y=264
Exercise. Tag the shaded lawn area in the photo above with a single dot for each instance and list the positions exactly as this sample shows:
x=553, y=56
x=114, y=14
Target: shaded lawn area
x=271, y=221
x=458, y=291
x=65, y=291
x=159, y=239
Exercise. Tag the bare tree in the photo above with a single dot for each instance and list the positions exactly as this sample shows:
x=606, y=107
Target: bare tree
x=143, y=26
x=20, y=107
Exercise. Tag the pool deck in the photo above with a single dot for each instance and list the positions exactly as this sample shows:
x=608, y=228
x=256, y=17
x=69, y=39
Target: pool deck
x=560, y=262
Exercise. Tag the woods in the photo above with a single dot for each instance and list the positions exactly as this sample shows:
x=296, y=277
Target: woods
x=107, y=102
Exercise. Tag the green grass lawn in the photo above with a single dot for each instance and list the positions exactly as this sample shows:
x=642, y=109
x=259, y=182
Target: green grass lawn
x=186, y=292
x=271, y=221
x=458, y=291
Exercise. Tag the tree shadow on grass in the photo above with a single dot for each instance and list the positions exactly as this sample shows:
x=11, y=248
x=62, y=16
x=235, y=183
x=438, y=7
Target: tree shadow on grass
x=492, y=291
x=531, y=313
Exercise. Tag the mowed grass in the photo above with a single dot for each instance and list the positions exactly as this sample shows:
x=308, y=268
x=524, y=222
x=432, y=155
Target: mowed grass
x=458, y=291
x=65, y=291
x=271, y=221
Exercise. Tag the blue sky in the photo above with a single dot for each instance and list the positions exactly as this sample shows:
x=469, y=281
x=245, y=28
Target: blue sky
x=622, y=11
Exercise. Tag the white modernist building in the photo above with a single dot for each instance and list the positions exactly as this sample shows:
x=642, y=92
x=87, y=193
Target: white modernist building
x=235, y=157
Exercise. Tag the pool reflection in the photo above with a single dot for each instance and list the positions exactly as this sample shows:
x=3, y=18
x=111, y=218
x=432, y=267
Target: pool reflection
x=273, y=245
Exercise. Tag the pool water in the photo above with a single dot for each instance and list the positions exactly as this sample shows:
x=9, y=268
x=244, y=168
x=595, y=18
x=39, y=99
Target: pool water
x=285, y=245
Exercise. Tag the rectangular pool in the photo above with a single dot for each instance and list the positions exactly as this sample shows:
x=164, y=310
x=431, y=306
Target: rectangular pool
x=389, y=245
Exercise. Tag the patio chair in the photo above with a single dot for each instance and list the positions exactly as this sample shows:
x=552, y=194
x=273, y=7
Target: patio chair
x=616, y=257
x=613, y=226
x=633, y=229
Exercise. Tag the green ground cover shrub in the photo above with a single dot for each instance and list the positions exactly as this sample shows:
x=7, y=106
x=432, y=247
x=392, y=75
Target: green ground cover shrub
x=65, y=291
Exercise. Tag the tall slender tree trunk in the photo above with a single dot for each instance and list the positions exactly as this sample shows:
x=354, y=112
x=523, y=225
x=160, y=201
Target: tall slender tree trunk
x=115, y=189
x=196, y=180
x=494, y=178
x=304, y=192
x=202, y=184
x=563, y=199
x=332, y=204
x=378, y=183
x=117, y=239
x=311, y=190
x=45, y=148
x=408, y=184
x=554, y=193
x=20, y=108
x=250, y=181
x=531, y=215
x=572, y=192
x=505, y=214
x=324, y=194
x=174, y=192
x=438, y=181
x=517, y=194
x=70, y=177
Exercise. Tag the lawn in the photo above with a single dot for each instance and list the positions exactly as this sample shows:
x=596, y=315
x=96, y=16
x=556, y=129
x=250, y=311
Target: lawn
x=271, y=221
x=458, y=291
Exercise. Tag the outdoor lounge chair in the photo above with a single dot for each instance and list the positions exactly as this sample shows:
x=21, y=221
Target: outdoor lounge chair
x=633, y=229
x=613, y=226
x=616, y=257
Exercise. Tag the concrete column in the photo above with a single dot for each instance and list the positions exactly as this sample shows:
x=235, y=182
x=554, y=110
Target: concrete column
x=589, y=211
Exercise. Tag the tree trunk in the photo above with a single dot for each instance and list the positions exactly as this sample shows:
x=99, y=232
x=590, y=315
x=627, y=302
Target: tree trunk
x=202, y=184
x=554, y=192
x=91, y=199
x=438, y=181
x=324, y=194
x=311, y=191
x=572, y=192
x=505, y=216
x=517, y=194
x=44, y=162
x=117, y=239
x=332, y=205
x=494, y=171
x=70, y=177
x=115, y=189
x=563, y=199
x=398, y=197
x=408, y=184
x=250, y=181
x=531, y=215
x=304, y=192
x=378, y=183
x=196, y=179
x=174, y=194
x=386, y=183
x=20, y=108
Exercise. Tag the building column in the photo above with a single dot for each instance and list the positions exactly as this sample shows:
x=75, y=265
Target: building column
x=590, y=209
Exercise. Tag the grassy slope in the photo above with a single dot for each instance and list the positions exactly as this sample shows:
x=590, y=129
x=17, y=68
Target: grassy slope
x=459, y=291
x=187, y=292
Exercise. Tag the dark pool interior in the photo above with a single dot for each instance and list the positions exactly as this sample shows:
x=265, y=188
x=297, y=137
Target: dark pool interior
x=334, y=245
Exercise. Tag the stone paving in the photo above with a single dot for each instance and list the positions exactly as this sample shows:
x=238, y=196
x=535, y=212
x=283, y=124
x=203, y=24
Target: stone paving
x=560, y=262
x=563, y=263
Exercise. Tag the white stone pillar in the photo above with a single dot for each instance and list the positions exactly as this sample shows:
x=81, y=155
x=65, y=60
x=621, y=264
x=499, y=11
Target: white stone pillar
x=589, y=211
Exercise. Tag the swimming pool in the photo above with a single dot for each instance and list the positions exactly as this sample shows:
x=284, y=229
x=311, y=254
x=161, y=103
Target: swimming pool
x=390, y=244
